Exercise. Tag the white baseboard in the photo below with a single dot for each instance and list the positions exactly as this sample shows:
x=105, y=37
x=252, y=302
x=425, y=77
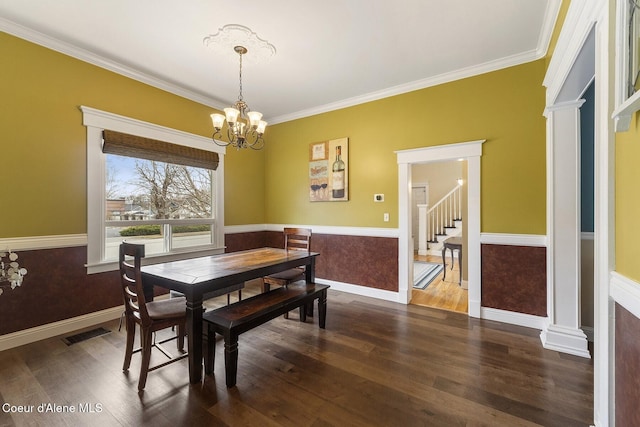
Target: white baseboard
x=49, y=330
x=475, y=308
x=513, y=318
x=565, y=340
x=361, y=290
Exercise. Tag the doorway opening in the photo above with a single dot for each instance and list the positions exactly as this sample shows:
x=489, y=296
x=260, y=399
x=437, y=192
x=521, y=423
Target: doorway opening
x=438, y=216
x=471, y=151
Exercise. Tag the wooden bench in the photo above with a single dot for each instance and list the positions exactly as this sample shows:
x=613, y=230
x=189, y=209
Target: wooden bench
x=232, y=320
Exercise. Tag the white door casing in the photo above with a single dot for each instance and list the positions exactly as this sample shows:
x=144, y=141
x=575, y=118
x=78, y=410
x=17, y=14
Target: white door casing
x=471, y=151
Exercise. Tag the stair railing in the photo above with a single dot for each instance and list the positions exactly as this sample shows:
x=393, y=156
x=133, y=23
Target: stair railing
x=435, y=220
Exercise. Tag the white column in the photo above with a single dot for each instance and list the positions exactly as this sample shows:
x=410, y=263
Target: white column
x=422, y=229
x=562, y=332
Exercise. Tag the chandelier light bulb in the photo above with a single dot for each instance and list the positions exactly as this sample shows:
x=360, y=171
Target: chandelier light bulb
x=261, y=127
x=254, y=118
x=218, y=121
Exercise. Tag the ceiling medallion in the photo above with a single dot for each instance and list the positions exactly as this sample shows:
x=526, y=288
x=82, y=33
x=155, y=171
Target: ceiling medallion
x=245, y=128
x=232, y=35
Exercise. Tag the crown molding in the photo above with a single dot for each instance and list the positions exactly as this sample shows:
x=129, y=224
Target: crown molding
x=549, y=22
x=65, y=48
x=460, y=74
x=548, y=25
x=124, y=70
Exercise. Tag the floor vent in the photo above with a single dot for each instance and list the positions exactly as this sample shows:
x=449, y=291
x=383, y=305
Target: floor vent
x=83, y=336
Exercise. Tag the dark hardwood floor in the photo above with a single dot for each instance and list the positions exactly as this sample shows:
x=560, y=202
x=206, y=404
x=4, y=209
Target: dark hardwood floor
x=377, y=364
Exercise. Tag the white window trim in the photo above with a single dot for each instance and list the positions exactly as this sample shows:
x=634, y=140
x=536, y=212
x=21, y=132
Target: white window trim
x=96, y=121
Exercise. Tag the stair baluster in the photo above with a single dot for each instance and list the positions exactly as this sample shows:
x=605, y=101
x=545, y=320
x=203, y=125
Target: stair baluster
x=441, y=216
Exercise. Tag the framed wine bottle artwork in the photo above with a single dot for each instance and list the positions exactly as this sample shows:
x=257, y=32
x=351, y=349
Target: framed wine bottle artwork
x=329, y=170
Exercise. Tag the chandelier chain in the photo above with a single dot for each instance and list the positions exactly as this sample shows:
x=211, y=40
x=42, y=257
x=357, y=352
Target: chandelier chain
x=240, y=97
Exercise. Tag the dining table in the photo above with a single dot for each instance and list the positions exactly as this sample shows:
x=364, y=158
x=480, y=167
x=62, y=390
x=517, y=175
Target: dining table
x=194, y=277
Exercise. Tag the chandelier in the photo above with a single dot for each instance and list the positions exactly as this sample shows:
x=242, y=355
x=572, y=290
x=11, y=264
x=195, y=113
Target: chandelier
x=244, y=127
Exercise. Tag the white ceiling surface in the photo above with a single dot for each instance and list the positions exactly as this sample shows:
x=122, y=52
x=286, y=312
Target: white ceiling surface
x=330, y=53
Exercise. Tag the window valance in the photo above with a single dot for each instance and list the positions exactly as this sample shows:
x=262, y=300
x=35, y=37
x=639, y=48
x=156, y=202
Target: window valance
x=123, y=144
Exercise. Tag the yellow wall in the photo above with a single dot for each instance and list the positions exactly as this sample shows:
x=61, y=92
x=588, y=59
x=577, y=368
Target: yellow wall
x=43, y=142
x=628, y=201
x=43, y=146
x=503, y=107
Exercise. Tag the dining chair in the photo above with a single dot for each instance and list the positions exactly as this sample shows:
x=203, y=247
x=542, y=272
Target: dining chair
x=150, y=316
x=295, y=239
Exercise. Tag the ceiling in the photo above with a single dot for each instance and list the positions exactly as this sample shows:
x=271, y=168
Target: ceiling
x=329, y=54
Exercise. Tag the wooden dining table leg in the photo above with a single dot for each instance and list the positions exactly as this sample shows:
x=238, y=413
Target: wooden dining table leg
x=310, y=277
x=322, y=309
x=194, y=331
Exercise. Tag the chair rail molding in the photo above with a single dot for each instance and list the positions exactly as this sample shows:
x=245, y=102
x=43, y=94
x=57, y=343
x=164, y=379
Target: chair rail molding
x=316, y=229
x=625, y=292
x=43, y=242
x=539, y=240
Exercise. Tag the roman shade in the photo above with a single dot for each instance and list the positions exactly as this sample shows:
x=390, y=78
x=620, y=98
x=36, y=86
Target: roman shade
x=123, y=144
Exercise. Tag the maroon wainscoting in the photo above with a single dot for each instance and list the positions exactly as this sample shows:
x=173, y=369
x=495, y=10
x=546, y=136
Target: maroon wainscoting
x=242, y=241
x=356, y=260
x=627, y=363
x=55, y=288
x=514, y=278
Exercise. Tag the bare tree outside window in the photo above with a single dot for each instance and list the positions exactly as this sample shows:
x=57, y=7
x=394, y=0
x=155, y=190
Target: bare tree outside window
x=112, y=189
x=154, y=201
x=175, y=191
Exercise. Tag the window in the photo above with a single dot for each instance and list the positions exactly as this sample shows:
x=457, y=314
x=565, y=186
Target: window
x=166, y=207
x=152, y=185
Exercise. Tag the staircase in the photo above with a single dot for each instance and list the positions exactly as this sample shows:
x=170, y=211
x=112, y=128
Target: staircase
x=440, y=221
